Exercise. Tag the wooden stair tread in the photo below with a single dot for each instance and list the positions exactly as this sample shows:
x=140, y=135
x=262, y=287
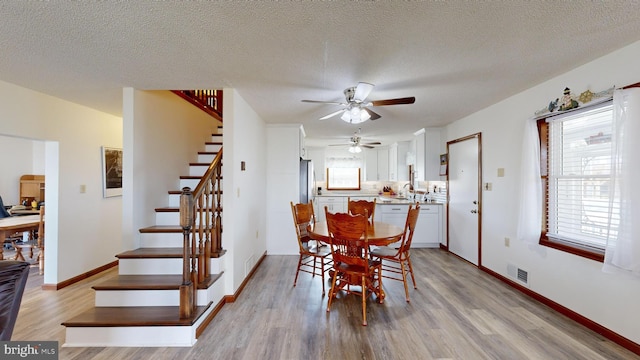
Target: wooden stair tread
x=213, y=143
x=162, y=229
x=150, y=282
x=141, y=282
x=178, y=192
x=152, y=253
x=168, y=209
x=207, y=152
x=134, y=316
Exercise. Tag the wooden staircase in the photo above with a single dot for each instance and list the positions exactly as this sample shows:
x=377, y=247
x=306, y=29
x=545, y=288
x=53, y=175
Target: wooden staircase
x=140, y=307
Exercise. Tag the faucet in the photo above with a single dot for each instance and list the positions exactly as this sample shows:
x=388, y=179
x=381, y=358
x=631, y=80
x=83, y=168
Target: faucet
x=410, y=193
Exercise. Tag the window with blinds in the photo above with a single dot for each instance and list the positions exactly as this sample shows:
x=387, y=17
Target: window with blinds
x=579, y=170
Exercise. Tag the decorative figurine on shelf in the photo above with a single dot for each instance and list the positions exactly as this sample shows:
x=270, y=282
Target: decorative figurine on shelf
x=567, y=102
x=553, y=105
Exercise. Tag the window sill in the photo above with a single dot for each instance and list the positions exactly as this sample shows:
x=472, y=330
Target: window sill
x=573, y=248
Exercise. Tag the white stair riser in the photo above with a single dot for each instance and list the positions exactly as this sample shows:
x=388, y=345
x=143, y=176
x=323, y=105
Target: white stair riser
x=160, y=240
x=162, y=266
x=133, y=336
x=125, y=298
x=197, y=170
x=170, y=218
x=191, y=183
x=212, y=147
x=150, y=266
x=174, y=199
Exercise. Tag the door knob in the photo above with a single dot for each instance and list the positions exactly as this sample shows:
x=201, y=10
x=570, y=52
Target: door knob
x=474, y=211
x=475, y=202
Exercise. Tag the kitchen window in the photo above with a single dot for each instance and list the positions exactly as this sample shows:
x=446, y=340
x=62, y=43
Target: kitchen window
x=576, y=173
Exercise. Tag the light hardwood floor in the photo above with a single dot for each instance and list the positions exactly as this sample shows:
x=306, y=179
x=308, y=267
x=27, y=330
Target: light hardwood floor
x=457, y=312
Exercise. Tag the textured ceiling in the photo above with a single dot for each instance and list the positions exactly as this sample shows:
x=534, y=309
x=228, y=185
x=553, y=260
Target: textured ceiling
x=455, y=57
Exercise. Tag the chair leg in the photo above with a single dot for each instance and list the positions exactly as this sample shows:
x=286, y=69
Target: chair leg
x=364, y=301
x=404, y=280
x=298, y=271
x=322, y=273
x=413, y=278
x=332, y=289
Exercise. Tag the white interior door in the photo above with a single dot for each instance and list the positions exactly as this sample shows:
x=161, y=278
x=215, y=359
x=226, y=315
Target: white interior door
x=464, y=198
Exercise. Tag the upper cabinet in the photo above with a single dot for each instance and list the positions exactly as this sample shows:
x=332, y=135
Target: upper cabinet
x=377, y=164
x=426, y=147
x=398, y=166
x=302, y=149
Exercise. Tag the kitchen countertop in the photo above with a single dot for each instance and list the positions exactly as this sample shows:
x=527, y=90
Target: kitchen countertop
x=381, y=199
x=398, y=201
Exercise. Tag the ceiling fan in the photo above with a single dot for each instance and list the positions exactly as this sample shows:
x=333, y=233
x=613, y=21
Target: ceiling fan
x=355, y=143
x=356, y=110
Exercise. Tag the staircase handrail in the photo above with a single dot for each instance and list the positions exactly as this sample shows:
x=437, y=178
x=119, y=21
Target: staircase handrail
x=201, y=222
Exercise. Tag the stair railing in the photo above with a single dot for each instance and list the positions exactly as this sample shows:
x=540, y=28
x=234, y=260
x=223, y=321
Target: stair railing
x=201, y=222
x=209, y=101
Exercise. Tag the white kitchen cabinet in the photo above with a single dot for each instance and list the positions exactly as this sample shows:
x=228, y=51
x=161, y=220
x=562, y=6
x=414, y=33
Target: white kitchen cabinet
x=398, y=168
x=334, y=204
x=428, y=232
x=377, y=164
x=432, y=155
x=419, y=140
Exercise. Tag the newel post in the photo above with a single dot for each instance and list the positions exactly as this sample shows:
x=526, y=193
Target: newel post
x=186, y=222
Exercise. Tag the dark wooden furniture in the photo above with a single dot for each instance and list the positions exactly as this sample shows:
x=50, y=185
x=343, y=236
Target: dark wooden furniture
x=378, y=233
x=313, y=257
x=361, y=207
x=13, y=278
x=398, y=260
x=351, y=264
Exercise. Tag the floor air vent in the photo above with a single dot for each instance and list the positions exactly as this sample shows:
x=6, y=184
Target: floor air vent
x=518, y=274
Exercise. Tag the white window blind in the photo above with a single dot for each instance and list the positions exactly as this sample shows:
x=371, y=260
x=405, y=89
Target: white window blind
x=579, y=176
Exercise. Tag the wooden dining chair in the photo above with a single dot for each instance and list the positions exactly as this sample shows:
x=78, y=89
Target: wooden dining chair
x=398, y=260
x=361, y=207
x=314, y=257
x=36, y=241
x=351, y=264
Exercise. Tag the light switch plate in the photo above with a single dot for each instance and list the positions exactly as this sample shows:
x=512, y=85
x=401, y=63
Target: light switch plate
x=500, y=172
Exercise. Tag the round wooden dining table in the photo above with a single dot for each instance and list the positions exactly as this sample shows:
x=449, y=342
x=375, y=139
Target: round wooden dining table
x=378, y=233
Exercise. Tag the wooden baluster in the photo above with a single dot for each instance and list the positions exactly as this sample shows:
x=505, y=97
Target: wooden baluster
x=186, y=222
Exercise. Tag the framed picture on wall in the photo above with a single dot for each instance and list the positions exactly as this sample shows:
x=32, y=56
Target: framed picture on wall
x=443, y=164
x=111, y=171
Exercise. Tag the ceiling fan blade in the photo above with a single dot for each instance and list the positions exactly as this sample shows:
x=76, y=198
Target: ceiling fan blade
x=372, y=143
x=399, y=101
x=332, y=114
x=373, y=114
x=339, y=145
x=362, y=91
x=323, y=102
x=366, y=146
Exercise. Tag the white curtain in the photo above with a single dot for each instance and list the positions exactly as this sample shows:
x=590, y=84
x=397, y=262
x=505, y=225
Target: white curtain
x=530, y=214
x=622, y=253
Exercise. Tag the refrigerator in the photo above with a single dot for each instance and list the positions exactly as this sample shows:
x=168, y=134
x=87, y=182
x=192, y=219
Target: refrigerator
x=307, y=181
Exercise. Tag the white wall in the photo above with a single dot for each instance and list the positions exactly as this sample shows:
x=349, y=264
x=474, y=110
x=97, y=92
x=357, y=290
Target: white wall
x=162, y=134
x=81, y=227
x=283, y=182
x=244, y=192
x=572, y=281
x=18, y=159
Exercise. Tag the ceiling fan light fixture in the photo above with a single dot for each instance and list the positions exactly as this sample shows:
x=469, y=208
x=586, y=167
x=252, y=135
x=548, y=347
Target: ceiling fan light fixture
x=354, y=149
x=355, y=115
